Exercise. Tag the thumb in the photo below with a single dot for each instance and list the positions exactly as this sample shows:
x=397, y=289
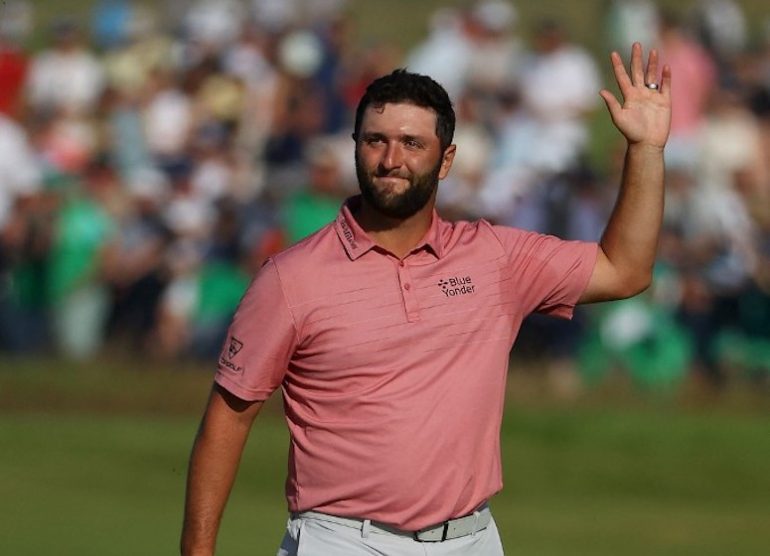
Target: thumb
x=612, y=103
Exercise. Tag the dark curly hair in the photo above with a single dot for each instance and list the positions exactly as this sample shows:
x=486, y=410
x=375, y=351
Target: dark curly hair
x=402, y=86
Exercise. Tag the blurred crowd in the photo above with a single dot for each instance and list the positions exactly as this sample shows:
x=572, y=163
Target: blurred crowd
x=151, y=158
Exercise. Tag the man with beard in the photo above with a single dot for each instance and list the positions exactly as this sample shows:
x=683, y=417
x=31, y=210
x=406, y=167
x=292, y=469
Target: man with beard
x=389, y=331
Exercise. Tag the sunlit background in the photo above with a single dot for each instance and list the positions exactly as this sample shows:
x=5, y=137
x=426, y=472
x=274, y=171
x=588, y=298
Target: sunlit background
x=154, y=154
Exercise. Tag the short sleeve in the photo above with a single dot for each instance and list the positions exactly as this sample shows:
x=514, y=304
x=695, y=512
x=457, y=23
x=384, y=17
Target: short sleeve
x=260, y=341
x=548, y=273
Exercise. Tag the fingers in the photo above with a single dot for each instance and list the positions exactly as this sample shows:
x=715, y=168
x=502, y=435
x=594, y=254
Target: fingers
x=637, y=70
x=612, y=103
x=621, y=76
x=639, y=75
x=665, y=84
x=652, y=67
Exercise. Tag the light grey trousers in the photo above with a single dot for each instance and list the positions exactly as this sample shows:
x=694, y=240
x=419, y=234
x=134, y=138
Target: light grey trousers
x=310, y=536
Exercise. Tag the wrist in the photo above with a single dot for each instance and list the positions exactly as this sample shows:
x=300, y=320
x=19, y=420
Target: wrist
x=642, y=147
x=196, y=547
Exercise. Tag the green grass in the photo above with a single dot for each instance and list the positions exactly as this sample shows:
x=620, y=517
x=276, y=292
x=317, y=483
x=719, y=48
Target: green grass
x=617, y=482
x=94, y=461
x=80, y=484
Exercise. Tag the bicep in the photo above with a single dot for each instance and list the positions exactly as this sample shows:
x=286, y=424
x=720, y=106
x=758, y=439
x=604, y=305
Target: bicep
x=228, y=416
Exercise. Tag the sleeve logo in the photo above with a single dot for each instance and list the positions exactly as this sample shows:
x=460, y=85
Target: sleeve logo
x=233, y=348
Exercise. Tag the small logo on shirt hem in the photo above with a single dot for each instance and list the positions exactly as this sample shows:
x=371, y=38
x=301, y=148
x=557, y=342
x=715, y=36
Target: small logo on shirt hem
x=452, y=287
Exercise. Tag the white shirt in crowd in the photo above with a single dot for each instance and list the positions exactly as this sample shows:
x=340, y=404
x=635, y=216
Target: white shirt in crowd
x=71, y=80
x=19, y=172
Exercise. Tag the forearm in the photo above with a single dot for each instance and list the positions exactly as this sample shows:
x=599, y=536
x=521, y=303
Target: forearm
x=630, y=240
x=209, y=483
x=213, y=466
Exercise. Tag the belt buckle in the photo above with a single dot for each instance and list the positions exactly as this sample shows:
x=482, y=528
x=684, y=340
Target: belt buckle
x=444, y=531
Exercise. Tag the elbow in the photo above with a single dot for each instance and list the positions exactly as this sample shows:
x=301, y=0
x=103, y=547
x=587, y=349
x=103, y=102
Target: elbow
x=636, y=284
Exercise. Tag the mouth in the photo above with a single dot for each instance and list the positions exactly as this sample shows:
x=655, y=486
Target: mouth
x=391, y=180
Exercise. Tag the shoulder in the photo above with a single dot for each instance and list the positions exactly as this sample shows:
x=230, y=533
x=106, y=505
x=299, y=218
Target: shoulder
x=483, y=230
x=528, y=244
x=476, y=234
x=310, y=252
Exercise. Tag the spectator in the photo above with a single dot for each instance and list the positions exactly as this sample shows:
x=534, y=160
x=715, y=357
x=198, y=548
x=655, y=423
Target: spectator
x=558, y=90
x=143, y=50
x=76, y=289
x=66, y=77
x=20, y=185
x=460, y=193
x=168, y=120
x=631, y=20
x=446, y=52
x=314, y=206
x=497, y=54
x=134, y=268
x=14, y=62
x=214, y=24
x=721, y=28
x=214, y=127
x=110, y=21
x=691, y=92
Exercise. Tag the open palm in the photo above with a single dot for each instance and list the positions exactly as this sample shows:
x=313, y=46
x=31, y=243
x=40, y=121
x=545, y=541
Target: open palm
x=644, y=117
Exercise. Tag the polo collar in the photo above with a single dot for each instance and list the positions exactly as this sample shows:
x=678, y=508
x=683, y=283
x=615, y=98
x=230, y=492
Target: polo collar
x=352, y=236
x=356, y=242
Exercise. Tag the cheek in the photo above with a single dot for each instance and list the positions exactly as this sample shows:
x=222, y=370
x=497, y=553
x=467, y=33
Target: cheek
x=424, y=165
x=367, y=159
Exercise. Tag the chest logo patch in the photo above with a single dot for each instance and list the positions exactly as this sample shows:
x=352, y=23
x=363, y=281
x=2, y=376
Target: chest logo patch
x=457, y=285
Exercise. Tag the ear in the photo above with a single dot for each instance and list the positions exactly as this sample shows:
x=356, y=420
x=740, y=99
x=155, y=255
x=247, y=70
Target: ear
x=446, y=161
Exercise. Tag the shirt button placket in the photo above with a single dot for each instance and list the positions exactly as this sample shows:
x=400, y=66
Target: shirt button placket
x=407, y=293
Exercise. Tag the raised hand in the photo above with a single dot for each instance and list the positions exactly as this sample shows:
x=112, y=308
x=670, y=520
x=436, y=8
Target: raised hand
x=644, y=117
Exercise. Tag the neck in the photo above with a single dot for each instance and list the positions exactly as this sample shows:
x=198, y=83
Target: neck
x=397, y=235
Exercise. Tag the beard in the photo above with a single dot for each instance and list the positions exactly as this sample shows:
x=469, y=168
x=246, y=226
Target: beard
x=397, y=205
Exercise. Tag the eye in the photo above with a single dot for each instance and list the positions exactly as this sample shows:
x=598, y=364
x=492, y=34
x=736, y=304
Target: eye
x=373, y=140
x=412, y=143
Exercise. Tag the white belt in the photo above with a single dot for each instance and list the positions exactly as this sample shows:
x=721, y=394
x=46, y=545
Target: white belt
x=446, y=530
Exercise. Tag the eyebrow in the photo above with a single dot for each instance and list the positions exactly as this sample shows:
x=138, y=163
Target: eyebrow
x=369, y=135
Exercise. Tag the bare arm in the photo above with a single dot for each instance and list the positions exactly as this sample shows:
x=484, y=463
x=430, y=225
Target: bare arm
x=630, y=240
x=213, y=465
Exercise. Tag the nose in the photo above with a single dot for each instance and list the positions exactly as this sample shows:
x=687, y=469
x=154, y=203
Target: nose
x=392, y=157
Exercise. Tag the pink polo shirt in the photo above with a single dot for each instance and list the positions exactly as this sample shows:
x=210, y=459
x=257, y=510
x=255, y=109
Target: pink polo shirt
x=393, y=372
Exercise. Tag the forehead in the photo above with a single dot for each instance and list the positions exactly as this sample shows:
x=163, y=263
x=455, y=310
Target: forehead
x=399, y=118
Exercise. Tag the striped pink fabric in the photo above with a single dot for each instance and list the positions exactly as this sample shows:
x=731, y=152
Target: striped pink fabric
x=393, y=372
